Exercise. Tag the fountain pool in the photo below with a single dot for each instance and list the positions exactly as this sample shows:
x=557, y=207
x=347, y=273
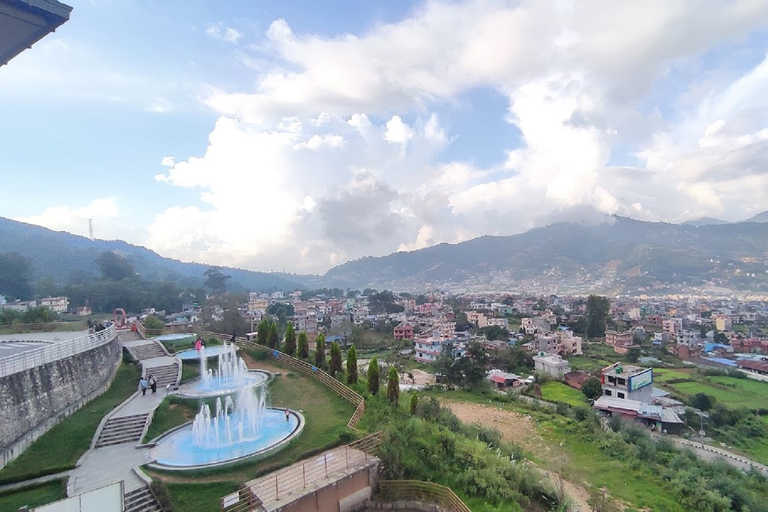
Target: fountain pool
x=228, y=375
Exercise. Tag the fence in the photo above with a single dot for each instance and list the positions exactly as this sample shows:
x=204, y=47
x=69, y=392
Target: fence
x=309, y=369
x=55, y=351
x=422, y=491
x=297, y=477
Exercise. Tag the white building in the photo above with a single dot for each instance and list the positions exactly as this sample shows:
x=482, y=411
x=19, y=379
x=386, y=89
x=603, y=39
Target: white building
x=552, y=365
x=55, y=304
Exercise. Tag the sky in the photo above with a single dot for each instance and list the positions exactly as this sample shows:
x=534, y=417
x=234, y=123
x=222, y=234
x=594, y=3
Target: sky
x=299, y=135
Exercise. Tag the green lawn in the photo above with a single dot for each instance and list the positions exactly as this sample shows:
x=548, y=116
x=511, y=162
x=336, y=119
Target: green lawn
x=198, y=497
x=731, y=392
x=558, y=392
x=588, y=364
x=665, y=374
x=61, y=447
x=34, y=496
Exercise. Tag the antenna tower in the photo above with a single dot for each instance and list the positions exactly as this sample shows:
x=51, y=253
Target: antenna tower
x=90, y=229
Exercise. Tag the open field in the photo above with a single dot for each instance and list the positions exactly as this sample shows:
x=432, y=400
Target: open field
x=731, y=392
x=555, y=391
x=667, y=374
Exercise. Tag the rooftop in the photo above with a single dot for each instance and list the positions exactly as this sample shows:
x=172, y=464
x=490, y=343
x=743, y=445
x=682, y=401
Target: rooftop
x=622, y=370
x=25, y=22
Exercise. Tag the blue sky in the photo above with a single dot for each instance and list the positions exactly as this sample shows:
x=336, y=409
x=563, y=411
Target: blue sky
x=300, y=135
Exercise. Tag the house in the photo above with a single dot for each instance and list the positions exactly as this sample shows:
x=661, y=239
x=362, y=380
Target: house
x=627, y=382
x=428, y=349
x=535, y=325
x=55, y=304
x=20, y=305
x=479, y=319
x=83, y=311
x=404, y=331
x=570, y=344
x=620, y=341
x=503, y=380
x=658, y=417
x=576, y=378
x=687, y=352
x=551, y=364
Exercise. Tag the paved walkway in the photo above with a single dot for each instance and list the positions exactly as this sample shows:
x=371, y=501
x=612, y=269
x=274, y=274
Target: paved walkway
x=108, y=464
x=709, y=452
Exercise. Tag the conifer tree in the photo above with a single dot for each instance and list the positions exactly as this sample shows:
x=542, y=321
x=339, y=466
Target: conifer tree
x=274, y=339
x=303, y=346
x=393, y=385
x=262, y=331
x=320, y=350
x=414, y=404
x=373, y=376
x=290, y=340
x=335, y=359
x=352, y=365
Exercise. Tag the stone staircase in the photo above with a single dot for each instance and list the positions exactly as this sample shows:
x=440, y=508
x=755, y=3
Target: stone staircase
x=123, y=429
x=141, y=500
x=146, y=351
x=167, y=374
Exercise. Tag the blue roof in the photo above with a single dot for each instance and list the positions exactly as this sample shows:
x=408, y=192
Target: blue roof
x=721, y=360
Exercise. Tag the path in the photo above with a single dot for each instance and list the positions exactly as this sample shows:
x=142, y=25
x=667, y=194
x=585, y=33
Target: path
x=115, y=453
x=521, y=430
x=709, y=452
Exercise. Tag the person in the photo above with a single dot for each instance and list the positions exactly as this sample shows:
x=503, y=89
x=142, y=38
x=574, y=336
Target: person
x=234, y=337
x=198, y=344
x=202, y=342
x=153, y=384
x=143, y=386
x=287, y=415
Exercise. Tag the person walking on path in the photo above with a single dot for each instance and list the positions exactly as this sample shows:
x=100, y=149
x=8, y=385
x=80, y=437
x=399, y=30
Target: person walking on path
x=198, y=344
x=143, y=386
x=153, y=384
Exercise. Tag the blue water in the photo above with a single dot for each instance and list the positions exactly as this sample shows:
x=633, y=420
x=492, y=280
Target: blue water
x=178, y=448
x=193, y=354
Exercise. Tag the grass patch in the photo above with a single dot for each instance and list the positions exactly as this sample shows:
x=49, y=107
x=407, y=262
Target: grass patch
x=34, y=496
x=172, y=412
x=665, y=374
x=554, y=391
x=733, y=393
x=61, y=447
x=199, y=497
x=190, y=370
x=587, y=364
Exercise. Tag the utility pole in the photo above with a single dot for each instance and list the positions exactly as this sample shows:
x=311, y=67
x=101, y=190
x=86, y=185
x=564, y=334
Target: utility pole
x=90, y=229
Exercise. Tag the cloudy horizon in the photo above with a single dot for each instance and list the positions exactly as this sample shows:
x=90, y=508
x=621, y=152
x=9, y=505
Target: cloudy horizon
x=300, y=137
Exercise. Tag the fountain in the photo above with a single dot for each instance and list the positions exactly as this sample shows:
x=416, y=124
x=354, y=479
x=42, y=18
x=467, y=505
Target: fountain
x=236, y=426
x=229, y=375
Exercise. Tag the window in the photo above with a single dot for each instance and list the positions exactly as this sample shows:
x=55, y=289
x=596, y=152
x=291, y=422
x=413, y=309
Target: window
x=622, y=382
x=620, y=394
x=607, y=392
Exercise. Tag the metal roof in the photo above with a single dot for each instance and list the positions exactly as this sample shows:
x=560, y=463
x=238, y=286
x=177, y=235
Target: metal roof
x=25, y=22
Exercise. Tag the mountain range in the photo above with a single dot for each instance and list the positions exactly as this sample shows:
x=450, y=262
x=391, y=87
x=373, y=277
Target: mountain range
x=619, y=255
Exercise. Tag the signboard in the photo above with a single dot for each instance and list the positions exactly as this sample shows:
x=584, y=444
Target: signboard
x=640, y=380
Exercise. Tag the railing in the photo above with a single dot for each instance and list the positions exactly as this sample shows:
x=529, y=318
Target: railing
x=422, y=491
x=309, y=369
x=297, y=477
x=244, y=500
x=368, y=444
x=54, y=351
x=140, y=329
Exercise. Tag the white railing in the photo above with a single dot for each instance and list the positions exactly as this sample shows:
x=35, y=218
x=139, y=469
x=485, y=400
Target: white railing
x=54, y=351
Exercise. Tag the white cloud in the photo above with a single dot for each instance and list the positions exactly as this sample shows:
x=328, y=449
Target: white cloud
x=576, y=76
x=103, y=212
x=222, y=33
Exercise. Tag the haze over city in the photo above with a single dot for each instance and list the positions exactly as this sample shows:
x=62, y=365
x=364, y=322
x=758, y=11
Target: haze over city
x=297, y=136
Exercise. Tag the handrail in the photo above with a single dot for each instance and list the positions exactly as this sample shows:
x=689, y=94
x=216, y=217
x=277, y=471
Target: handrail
x=55, y=351
x=140, y=329
x=423, y=491
x=309, y=369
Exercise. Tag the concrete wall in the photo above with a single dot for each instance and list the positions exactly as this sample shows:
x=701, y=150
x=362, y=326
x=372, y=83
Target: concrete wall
x=33, y=401
x=326, y=499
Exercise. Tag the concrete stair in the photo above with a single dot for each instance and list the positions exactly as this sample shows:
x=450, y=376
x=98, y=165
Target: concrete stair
x=141, y=500
x=122, y=429
x=167, y=374
x=146, y=351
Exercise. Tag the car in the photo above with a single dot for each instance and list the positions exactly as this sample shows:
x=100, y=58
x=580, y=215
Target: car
x=529, y=380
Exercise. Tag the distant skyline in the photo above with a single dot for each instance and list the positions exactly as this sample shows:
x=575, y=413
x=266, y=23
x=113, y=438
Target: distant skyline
x=300, y=135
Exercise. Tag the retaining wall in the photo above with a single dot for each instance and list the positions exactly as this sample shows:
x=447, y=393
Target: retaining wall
x=34, y=400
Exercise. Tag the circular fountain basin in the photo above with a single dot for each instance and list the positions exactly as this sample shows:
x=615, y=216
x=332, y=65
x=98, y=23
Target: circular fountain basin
x=177, y=339
x=194, y=355
x=177, y=449
x=218, y=387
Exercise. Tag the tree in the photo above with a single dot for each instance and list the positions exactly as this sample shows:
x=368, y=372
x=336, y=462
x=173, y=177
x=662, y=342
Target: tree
x=592, y=388
x=115, y=267
x=414, y=404
x=495, y=332
x=290, y=340
x=262, y=332
x=320, y=350
x=274, y=338
x=393, y=385
x=701, y=401
x=597, y=314
x=215, y=280
x=352, y=365
x=335, y=359
x=633, y=354
x=15, y=276
x=303, y=350
x=373, y=376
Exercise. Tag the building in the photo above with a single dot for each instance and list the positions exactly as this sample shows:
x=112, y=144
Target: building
x=620, y=341
x=404, y=331
x=503, y=380
x=23, y=23
x=672, y=326
x=551, y=364
x=55, y=304
x=479, y=319
x=428, y=349
x=569, y=343
x=655, y=416
x=535, y=325
x=83, y=311
x=20, y=305
x=627, y=382
x=576, y=378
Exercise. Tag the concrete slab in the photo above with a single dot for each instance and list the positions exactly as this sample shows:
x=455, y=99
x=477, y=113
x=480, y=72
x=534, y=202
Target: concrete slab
x=107, y=465
x=47, y=337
